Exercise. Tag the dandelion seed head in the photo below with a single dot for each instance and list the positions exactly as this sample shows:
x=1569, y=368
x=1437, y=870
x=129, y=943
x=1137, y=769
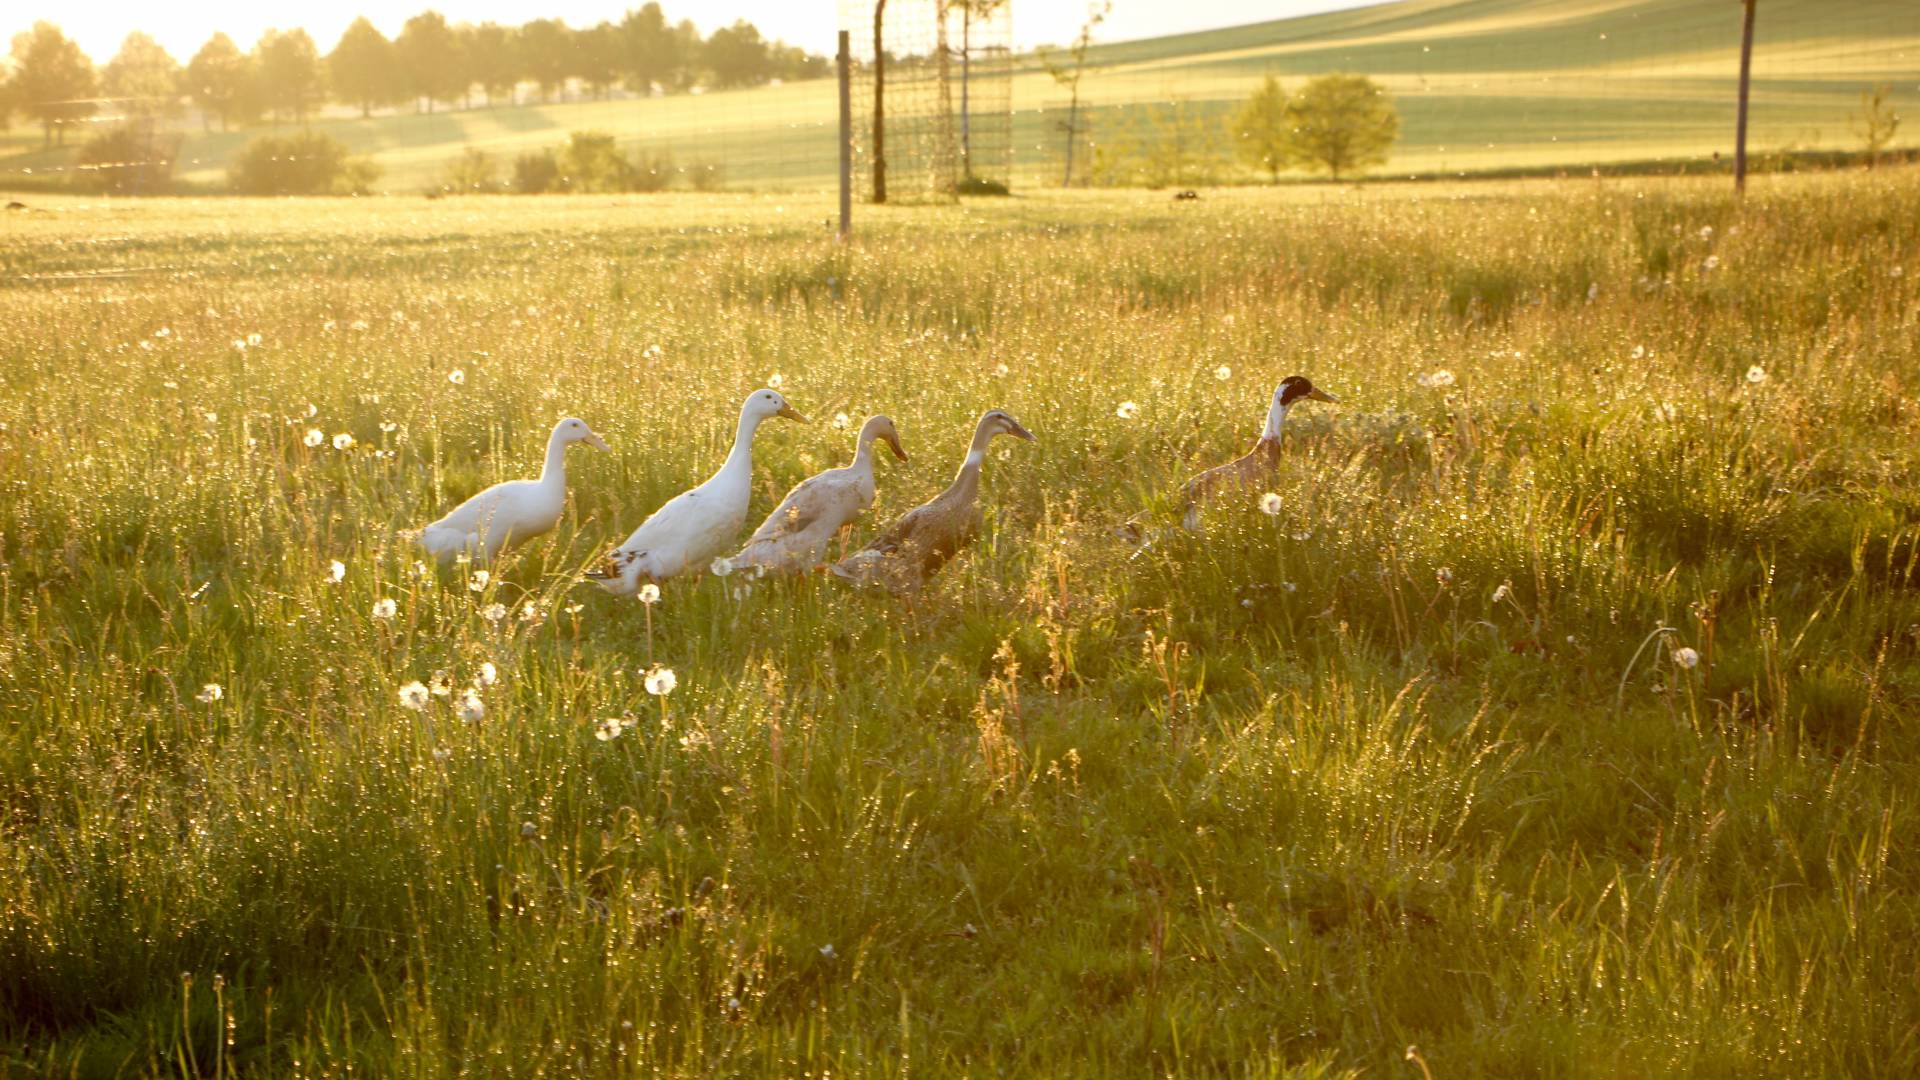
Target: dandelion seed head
x=1127, y=410
x=1686, y=657
x=1270, y=504
x=470, y=707
x=1000, y=370
x=649, y=593
x=315, y=437
x=210, y=693
x=478, y=582
x=414, y=696
x=1444, y=576
x=494, y=612
x=1756, y=375
x=1504, y=592
x=775, y=381
x=336, y=571
x=457, y=377
x=660, y=681
x=1712, y=263
x=1223, y=373
x=721, y=566
x=343, y=441
x=488, y=673
x=385, y=608
x=841, y=421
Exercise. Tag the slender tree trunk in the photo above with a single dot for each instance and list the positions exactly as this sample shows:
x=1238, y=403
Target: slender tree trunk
x=1073, y=131
x=879, y=103
x=966, y=63
x=1740, y=125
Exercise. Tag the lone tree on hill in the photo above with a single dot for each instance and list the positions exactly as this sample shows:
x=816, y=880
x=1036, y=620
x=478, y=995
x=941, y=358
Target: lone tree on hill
x=1342, y=123
x=52, y=79
x=1261, y=131
x=1876, y=122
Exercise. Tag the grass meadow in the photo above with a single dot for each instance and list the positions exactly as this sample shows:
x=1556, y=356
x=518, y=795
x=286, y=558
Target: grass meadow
x=1562, y=721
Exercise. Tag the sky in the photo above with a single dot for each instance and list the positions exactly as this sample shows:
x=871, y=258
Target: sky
x=99, y=25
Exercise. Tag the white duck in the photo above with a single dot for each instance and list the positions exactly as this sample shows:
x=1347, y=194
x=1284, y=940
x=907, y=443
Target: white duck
x=513, y=511
x=694, y=526
x=795, y=535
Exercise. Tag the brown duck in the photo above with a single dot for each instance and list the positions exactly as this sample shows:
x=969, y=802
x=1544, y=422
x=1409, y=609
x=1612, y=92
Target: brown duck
x=901, y=559
x=1251, y=470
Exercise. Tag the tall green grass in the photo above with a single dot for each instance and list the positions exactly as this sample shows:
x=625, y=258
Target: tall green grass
x=1411, y=763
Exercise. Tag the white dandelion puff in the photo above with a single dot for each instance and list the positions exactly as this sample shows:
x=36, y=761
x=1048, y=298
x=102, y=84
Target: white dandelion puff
x=1270, y=504
x=457, y=377
x=660, y=681
x=336, y=571
x=494, y=612
x=649, y=593
x=470, y=707
x=478, y=583
x=1127, y=410
x=1441, y=377
x=488, y=673
x=210, y=693
x=1444, y=576
x=1000, y=370
x=1756, y=375
x=1706, y=232
x=1504, y=592
x=1712, y=263
x=1223, y=373
x=841, y=421
x=441, y=684
x=343, y=441
x=721, y=566
x=384, y=609
x=414, y=696
x=776, y=381
x=607, y=730
x=1686, y=657
x=314, y=437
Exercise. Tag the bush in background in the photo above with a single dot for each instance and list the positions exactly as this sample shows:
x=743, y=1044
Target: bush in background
x=472, y=173
x=591, y=163
x=536, y=173
x=302, y=164
x=707, y=176
x=128, y=161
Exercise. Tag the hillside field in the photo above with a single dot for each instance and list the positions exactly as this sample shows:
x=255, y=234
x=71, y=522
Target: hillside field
x=1559, y=721
x=1482, y=85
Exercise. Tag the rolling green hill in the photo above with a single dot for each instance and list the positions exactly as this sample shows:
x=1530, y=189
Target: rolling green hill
x=1482, y=84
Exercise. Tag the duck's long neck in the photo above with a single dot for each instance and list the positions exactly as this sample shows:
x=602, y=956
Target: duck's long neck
x=554, y=472
x=966, y=482
x=1276, y=418
x=863, y=454
x=740, y=458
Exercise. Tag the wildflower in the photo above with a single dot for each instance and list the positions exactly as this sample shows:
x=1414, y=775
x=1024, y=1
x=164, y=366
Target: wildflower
x=607, y=730
x=1441, y=377
x=240, y=344
x=210, y=693
x=471, y=708
x=1270, y=504
x=478, y=583
x=336, y=571
x=167, y=332
x=385, y=609
x=1686, y=657
x=826, y=951
x=457, y=377
x=1223, y=373
x=442, y=753
x=414, y=696
x=528, y=830
x=494, y=612
x=1504, y=592
x=343, y=441
x=1000, y=371
x=649, y=593
x=312, y=410
x=721, y=566
x=531, y=613
x=840, y=421
x=1712, y=263
x=1127, y=410
x=441, y=684
x=1593, y=292
x=1706, y=232
x=1639, y=352
x=654, y=352
x=1444, y=576
x=1756, y=375
x=660, y=681
x=775, y=381
x=488, y=673
x=315, y=437
x=387, y=427
x=329, y=326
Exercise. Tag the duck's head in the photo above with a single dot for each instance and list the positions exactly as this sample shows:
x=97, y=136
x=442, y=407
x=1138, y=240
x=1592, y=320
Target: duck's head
x=575, y=430
x=1296, y=387
x=881, y=427
x=762, y=404
x=999, y=422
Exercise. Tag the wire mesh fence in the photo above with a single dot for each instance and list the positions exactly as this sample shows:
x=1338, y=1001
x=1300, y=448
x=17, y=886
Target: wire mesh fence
x=1480, y=87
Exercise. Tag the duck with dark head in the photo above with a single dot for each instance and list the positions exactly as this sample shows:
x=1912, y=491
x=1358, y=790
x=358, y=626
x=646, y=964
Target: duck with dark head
x=1252, y=469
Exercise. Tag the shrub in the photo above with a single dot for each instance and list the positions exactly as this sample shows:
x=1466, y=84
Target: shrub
x=472, y=173
x=707, y=176
x=536, y=173
x=650, y=172
x=979, y=185
x=125, y=161
x=302, y=164
x=591, y=163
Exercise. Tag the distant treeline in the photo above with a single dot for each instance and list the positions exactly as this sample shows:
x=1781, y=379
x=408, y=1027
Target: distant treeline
x=430, y=63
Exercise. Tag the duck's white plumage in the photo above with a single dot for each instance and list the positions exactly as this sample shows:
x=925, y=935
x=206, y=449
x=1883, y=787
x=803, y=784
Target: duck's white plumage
x=695, y=526
x=514, y=511
x=796, y=534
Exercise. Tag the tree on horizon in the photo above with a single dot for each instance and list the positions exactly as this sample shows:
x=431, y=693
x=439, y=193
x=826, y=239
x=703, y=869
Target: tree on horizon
x=363, y=68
